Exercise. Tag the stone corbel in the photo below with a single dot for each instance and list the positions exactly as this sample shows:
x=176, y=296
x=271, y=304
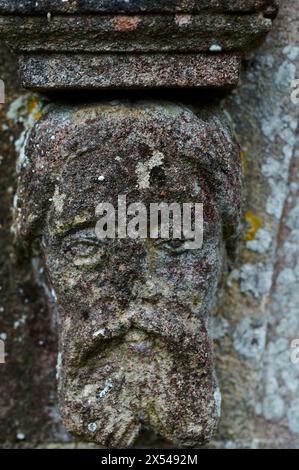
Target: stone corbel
x=134, y=346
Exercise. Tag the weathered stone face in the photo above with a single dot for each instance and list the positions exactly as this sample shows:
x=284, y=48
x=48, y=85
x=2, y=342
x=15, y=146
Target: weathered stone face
x=134, y=346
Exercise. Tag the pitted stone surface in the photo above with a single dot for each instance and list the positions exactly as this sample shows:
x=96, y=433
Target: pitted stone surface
x=141, y=33
x=134, y=346
x=132, y=6
x=254, y=396
x=63, y=72
x=69, y=31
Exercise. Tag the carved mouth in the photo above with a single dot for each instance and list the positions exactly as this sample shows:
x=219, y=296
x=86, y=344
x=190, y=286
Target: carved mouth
x=176, y=327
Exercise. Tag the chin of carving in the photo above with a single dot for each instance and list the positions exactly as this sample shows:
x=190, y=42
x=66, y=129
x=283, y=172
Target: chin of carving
x=134, y=349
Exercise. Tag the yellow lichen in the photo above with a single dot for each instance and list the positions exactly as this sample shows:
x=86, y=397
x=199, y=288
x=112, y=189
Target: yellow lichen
x=244, y=162
x=38, y=114
x=35, y=104
x=255, y=224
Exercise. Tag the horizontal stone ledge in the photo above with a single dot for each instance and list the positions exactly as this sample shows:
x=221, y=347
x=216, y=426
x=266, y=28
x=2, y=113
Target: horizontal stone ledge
x=43, y=72
x=133, y=6
x=140, y=33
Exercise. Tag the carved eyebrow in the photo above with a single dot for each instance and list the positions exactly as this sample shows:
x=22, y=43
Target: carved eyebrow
x=77, y=228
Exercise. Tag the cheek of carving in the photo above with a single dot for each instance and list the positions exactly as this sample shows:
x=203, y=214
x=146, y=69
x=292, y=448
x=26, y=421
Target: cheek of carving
x=134, y=346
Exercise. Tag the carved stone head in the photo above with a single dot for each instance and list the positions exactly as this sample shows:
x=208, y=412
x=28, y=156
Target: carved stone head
x=134, y=348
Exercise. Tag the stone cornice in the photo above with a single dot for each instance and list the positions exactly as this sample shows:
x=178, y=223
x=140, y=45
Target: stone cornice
x=42, y=7
x=136, y=44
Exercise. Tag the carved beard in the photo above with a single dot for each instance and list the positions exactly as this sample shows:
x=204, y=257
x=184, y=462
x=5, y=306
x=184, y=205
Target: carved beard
x=137, y=354
x=141, y=380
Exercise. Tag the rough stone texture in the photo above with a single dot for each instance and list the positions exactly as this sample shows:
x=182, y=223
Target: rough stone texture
x=52, y=40
x=28, y=402
x=258, y=317
x=132, y=314
x=133, y=6
x=58, y=72
x=143, y=33
x=260, y=405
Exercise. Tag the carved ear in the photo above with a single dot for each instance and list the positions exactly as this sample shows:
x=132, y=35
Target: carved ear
x=36, y=172
x=228, y=180
x=222, y=168
x=31, y=204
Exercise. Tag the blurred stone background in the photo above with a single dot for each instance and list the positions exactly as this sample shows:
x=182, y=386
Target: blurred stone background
x=258, y=310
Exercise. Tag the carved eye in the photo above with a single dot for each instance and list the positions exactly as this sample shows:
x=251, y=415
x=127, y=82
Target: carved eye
x=83, y=251
x=174, y=246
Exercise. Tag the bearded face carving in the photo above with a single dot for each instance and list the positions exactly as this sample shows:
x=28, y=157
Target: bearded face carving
x=134, y=347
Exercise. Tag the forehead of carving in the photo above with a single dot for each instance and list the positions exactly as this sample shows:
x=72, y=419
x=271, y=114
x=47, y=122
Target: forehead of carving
x=146, y=133
x=80, y=156
x=132, y=6
x=116, y=128
x=137, y=172
x=149, y=157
